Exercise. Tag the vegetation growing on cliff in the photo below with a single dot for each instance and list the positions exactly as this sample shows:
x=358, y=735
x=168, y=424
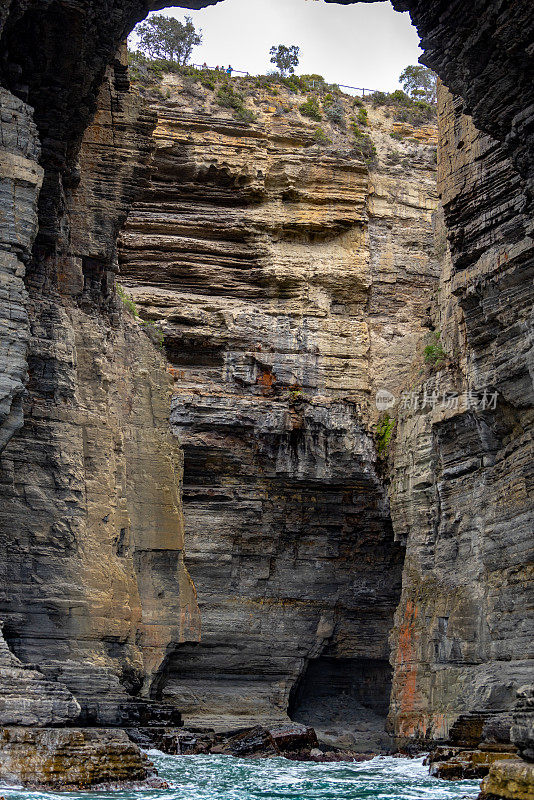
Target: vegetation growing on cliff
x=345, y=125
x=128, y=301
x=434, y=353
x=383, y=432
x=148, y=71
x=335, y=113
x=153, y=331
x=362, y=144
x=405, y=108
x=228, y=97
x=311, y=109
x=320, y=137
x=362, y=118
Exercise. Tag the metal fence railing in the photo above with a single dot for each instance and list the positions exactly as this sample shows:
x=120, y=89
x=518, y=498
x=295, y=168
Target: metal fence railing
x=231, y=71
x=226, y=70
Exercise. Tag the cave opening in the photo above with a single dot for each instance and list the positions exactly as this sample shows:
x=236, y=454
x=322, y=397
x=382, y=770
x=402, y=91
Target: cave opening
x=328, y=684
x=343, y=698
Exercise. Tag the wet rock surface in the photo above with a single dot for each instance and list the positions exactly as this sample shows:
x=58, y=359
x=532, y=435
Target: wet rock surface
x=488, y=744
x=454, y=764
x=509, y=780
x=64, y=758
x=295, y=742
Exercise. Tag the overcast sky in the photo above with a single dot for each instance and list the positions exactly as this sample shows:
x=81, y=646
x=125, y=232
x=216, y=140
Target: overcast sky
x=366, y=44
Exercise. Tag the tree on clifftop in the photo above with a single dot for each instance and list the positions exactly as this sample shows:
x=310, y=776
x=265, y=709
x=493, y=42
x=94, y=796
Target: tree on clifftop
x=285, y=58
x=419, y=82
x=168, y=38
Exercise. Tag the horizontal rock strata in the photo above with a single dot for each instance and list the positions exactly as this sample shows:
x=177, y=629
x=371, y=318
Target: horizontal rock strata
x=27, y=698
x=463, y=481
x=64, y=758
x=20, y=180
x=289, y=283
x=459, y=640
x=509, y=780
x=94, y=587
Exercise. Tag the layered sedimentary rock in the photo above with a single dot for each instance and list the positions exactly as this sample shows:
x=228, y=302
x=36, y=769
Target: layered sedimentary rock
x=509, y=780
x=66, y=758
x=522, y=727
x=289, y=283
x=92, y=482
x=483, y=53
x=463, y=480
x=54, y=58
x=27, y=698
x=94, y=588
x=20, y=180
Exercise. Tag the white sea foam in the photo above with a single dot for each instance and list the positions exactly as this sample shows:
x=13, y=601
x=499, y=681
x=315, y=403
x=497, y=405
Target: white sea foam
x=221, y=777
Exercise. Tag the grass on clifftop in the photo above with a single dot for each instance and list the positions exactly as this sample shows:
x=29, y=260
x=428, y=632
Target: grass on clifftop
x=345, y=118
x=404, y=108
x=322, y=96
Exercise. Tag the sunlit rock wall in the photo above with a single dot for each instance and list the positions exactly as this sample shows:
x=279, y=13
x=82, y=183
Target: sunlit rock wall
x=290, y=282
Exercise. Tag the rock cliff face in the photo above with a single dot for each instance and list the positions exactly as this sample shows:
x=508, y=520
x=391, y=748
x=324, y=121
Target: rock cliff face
x=94, y=591
x=462, y=487
x=290, y=282
x=20, y=181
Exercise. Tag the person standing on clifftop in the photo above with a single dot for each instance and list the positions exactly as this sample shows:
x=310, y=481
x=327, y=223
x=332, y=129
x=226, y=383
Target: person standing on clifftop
x=229, y=70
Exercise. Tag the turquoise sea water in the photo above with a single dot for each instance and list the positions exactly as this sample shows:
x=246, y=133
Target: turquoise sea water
x=228, y=778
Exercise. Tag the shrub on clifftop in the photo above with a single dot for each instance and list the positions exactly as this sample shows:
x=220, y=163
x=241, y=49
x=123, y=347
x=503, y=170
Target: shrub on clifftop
x=405, y=108
x=362, y=146
x=335, y=113
x=311, y=109
x=228, y=97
